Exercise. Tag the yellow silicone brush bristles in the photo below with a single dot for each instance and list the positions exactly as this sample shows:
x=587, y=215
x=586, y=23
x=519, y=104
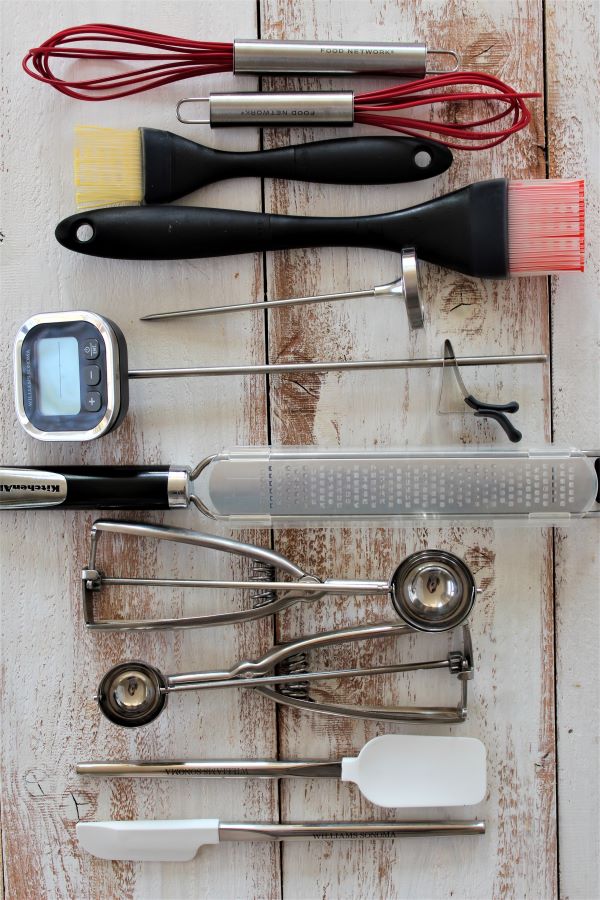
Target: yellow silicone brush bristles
x=108, y=167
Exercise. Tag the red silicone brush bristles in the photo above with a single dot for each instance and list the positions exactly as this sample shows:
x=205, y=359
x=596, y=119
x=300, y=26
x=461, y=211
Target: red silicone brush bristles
x=546, y=226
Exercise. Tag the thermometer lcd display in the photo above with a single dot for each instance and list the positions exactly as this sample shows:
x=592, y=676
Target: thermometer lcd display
x=58, y=376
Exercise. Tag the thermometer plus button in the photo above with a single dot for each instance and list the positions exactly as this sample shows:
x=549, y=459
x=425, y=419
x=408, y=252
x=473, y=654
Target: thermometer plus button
x=93, y=401
x=91, y=349
x=91, y=375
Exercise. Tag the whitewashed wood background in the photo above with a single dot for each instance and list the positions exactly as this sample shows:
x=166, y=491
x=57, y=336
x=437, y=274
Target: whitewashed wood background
x=536, y=629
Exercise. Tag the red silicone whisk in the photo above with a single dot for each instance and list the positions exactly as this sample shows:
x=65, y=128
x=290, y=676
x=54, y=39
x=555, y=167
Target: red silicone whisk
x=372, y=109
x=172, y=59
x=158, y=59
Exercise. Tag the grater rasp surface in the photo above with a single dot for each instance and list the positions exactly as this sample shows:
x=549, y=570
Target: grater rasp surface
x=291, y=484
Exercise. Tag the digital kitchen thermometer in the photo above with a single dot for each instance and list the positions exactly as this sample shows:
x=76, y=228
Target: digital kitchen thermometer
x=72, y=378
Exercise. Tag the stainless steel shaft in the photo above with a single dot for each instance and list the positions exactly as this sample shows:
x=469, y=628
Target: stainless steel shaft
x=432, y=362
x=259, y=305
x=330, y=831
x=216, y=768
x=202, y=680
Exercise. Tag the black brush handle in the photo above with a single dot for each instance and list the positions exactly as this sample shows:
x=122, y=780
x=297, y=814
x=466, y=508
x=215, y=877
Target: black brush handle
x=174, y=166
x=87, y=487
x=466, y=231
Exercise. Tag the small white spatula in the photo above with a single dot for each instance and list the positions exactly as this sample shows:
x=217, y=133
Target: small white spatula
x=178, y=840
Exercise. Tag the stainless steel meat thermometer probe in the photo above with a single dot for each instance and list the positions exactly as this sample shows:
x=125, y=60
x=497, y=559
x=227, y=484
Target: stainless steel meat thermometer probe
x=405, y=288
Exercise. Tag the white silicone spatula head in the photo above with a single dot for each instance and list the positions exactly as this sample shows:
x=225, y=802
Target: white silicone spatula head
x=409, y=770
x=177, y=840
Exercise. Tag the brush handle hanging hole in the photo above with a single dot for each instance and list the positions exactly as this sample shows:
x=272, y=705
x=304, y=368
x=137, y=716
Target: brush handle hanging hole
x=84, y=232
x=422, y=159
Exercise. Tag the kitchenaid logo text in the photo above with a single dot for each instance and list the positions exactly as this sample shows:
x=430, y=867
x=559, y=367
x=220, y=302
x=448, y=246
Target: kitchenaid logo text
x=50, y=488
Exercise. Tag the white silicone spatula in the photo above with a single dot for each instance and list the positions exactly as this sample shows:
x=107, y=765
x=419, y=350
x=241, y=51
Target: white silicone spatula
x=178, y=840
x=393, y=770
x=405, y=770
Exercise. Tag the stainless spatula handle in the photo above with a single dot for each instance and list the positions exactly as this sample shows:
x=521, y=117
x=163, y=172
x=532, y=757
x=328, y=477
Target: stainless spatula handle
x=215, y=768
x=330, y=831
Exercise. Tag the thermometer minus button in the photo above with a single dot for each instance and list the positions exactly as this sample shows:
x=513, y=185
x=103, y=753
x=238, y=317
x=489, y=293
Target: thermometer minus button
x=91, y=375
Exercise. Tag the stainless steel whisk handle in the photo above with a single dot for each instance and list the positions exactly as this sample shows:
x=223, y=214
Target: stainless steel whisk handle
x=289, y=108
x=265, y=57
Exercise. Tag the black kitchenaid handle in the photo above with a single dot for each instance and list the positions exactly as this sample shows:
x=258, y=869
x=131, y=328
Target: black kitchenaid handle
x=466, y=231
x=87, y=487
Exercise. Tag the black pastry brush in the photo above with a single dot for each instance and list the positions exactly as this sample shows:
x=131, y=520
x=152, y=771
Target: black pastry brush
x=488, y=229
x=144, y=165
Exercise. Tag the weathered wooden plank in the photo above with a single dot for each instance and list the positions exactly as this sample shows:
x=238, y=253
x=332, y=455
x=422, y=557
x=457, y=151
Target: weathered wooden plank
x=513, y=700
x=50, y=667
x=572, y=40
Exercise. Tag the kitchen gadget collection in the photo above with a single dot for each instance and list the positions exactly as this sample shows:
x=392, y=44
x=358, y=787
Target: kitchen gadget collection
x=179, y=58
x=71, y=380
